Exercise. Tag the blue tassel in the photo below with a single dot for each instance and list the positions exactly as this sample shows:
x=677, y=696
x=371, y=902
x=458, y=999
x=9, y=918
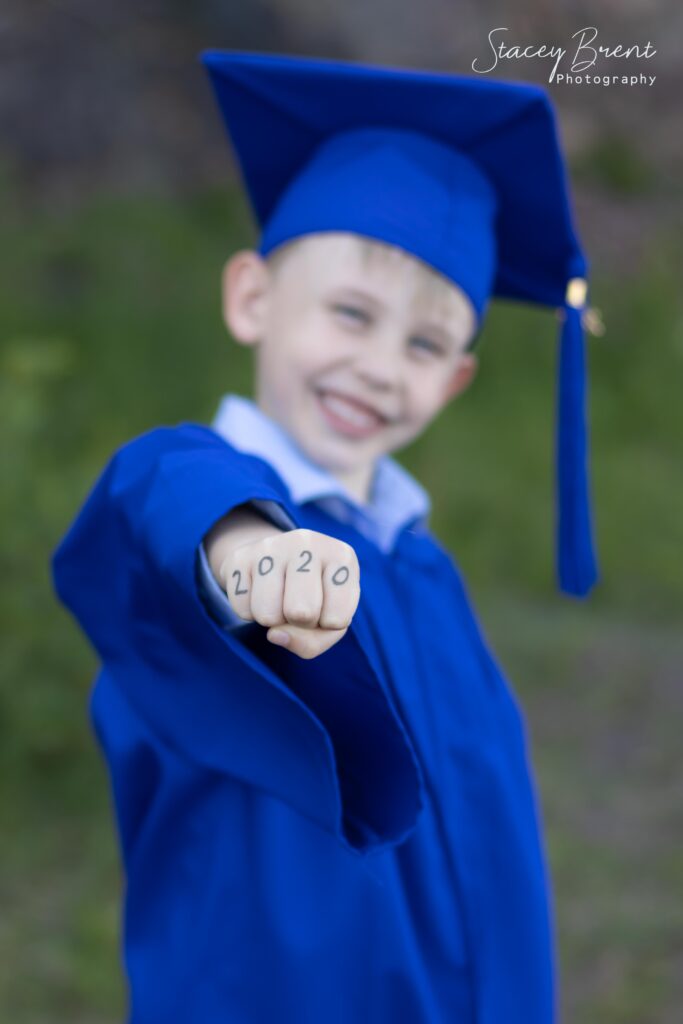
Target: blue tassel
x=576, y=562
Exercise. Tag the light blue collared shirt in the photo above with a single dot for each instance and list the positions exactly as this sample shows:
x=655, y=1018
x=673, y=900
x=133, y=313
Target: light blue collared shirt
x=396, y=498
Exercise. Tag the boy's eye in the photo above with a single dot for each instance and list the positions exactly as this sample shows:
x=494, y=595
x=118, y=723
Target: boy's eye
x=422, y=344
x=353, y=313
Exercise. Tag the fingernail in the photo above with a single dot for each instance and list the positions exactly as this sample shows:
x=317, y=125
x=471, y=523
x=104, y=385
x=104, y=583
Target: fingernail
x=279, y=637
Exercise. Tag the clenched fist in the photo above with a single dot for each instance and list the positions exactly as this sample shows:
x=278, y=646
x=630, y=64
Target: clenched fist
x=301, y=584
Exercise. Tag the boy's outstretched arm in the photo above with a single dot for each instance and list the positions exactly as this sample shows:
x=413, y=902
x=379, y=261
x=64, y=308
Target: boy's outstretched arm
x=320, y=734
x=300, y=584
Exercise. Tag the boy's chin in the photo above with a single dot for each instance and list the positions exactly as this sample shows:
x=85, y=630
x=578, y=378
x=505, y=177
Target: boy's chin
x=339, y=457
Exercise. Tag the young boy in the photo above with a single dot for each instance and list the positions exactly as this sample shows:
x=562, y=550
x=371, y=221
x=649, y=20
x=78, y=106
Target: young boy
x=321, y=776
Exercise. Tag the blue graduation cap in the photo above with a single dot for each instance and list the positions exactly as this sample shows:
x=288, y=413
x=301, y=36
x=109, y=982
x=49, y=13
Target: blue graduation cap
x=466, y=174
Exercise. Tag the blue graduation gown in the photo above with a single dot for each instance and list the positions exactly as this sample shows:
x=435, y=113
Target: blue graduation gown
x=344, y=840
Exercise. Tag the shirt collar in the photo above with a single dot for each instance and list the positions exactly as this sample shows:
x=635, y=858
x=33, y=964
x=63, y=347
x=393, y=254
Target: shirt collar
x=397, y=499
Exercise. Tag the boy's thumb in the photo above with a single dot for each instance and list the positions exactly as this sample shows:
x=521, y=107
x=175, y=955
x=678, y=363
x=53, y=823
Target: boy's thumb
x=302, y=641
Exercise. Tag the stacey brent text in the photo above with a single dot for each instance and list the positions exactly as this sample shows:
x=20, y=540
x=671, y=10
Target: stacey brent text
x=585, y=53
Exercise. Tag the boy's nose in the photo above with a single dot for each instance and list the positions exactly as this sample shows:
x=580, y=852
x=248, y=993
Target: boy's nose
x=379, y=369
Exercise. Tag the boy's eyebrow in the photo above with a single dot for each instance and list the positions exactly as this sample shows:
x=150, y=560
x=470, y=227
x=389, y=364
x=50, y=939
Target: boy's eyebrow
x=358, y=293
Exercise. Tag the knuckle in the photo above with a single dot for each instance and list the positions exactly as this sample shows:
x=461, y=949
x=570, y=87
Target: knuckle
x=241, y=557
x=267, y=617
x=301, y=614
x=347, y=556
x=336, y=621
x=346, y=551
x=260, y=548
x=269, y=544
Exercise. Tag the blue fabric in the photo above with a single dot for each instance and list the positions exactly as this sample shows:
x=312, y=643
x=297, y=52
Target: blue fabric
x=352, y=838
x=434, y=141
x=577, y=568
x=464, y=173
x=399, y=187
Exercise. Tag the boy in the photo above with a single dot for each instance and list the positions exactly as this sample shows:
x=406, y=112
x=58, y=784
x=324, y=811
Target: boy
x=322, y=787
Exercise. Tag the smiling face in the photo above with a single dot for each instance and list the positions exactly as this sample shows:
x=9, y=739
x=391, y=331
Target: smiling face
x=359, y=346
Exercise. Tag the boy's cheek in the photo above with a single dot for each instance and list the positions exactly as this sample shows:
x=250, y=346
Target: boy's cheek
x=406, y=430
x=427, y=403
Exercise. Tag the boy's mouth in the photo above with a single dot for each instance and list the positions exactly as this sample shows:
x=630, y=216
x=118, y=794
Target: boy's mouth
x=348, y=416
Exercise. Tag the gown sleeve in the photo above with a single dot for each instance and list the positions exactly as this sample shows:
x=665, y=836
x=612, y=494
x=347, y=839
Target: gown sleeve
x=322, y=735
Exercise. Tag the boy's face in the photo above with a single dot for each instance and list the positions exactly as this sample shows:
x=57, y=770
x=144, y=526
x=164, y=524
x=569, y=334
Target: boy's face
x=354, y=360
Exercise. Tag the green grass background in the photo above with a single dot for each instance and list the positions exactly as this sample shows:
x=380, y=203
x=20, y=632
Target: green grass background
x=109, y=325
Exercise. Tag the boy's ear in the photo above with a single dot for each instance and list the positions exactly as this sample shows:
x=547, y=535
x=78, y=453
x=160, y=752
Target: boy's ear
x=245, y=287
x=463, y=375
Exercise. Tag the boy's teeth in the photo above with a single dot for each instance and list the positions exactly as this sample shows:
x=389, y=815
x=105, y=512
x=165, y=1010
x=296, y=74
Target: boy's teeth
x=340, y=407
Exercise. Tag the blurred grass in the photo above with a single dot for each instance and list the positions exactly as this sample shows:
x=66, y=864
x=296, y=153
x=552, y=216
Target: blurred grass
x=616, y=163
x=109, y=325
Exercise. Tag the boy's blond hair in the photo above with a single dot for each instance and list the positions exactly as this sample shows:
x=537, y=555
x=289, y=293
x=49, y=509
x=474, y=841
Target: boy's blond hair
x=433, y=289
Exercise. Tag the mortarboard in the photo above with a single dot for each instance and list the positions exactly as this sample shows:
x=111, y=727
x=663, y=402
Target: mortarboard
x=463, y=173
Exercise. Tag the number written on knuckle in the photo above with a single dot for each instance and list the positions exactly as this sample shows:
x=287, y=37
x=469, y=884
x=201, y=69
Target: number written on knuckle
x=340, y=576
x=265, y=565
x=238, y=588
x=307, y=557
